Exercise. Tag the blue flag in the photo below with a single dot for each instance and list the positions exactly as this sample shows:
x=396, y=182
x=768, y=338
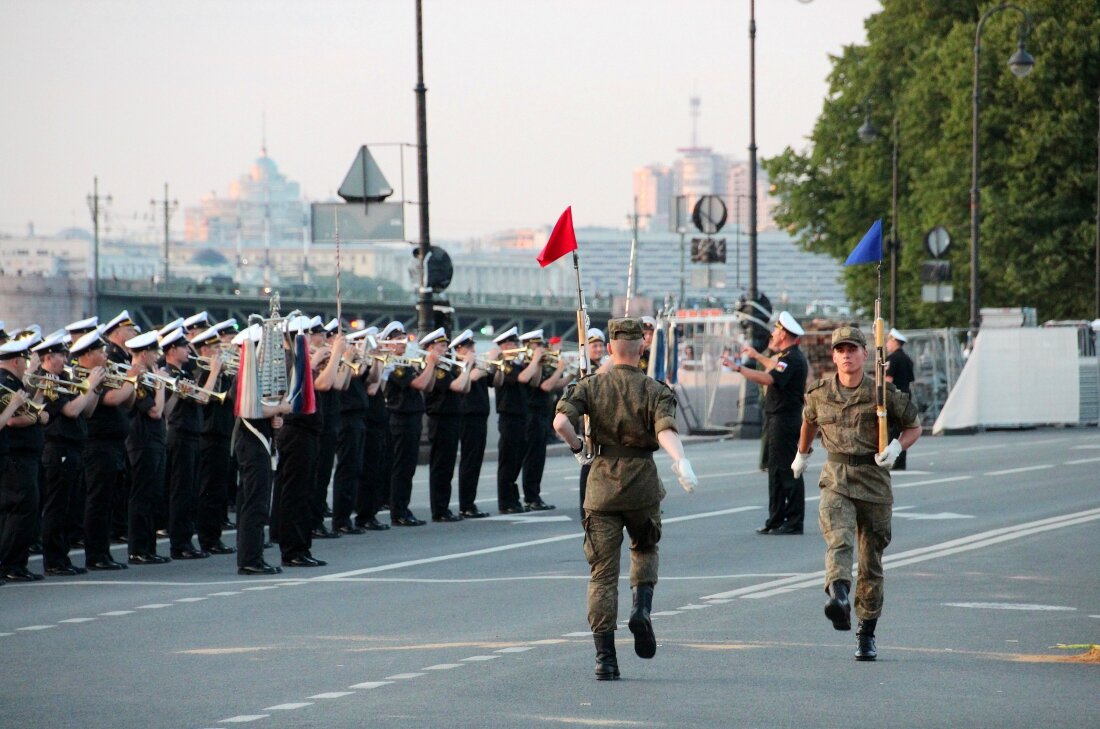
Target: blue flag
x=869, y=249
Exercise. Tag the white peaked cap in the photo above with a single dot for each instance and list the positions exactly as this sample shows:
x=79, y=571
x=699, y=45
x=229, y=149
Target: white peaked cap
x=196, y=320
x=433, y=336
x=142, y=341
x=533, y=334
x=899, y=336
x=88, y=341
x=167, y=328
x=82, y=325
x=787, y=322
x=596, y=333
x=173, y=337
x=466, y=336
x=392, y=328
x=512, y=333
x=252, y=332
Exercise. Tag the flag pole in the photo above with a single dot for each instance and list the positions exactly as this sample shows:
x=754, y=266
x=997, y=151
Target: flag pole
x=336, y=222
x=880, y=364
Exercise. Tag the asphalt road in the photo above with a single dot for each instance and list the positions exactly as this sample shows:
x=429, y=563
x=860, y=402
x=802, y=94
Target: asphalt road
x=482, y=623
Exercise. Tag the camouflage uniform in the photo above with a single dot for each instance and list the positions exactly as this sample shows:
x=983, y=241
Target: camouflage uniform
x=627, y=410
x=856, y=497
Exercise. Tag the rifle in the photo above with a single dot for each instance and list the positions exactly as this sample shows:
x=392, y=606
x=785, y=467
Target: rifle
x=582, y=349
x=880, y=369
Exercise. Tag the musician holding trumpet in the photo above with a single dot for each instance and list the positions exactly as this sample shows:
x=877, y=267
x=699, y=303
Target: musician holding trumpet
x=444, y=405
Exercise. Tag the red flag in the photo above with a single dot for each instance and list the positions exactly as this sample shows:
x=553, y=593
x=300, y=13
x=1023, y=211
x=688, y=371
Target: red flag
x=562, y=240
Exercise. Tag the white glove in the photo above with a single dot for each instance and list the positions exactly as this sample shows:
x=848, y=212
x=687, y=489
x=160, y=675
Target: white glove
x=800, y=462
x=887, y=457
x=685, y=474
x=583, y=458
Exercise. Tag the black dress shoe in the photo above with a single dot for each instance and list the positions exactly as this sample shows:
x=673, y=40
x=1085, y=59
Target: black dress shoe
x=160, y=533
x=350, y=530
x=261, y=569
x=539, y=505
x=149, y=558
x=105, y=565
x=324, y=533
x=188, y=553
x=373, y=525
x=764, y=530
x=63, y=571
x=304, y=561
x=229, y=524
x=408, y=520
x=219, y=548
x=787, y=529
x=20, y=574
x=474, y=513
x=517, y=509
x=449, y=517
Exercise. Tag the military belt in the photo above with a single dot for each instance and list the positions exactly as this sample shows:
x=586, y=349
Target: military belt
x=863, y=459
x=617, y=451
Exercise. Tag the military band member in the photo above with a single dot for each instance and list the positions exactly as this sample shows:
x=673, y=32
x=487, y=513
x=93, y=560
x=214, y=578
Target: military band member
x=404, y=390
x=348, y=480
x=62, y=456
x=184, y=429
x=374, y=489
x=444, y=406
x=117, y=332
x=227, y=330
x=631, y=416
x=195, y=324
x=649, y=326
x=899, y=370
x=77, y=329
x=328, y=403
x=23, y=433
x=856, y=496
x=214, y=468
x=146, y=450
x=539, y=409
x=513, y=404
x=475, y=424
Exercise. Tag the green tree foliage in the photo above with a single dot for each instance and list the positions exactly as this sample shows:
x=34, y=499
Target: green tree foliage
x=1038, y=155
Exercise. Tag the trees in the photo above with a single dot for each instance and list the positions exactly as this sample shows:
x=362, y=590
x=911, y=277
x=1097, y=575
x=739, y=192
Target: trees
x=1038, y=173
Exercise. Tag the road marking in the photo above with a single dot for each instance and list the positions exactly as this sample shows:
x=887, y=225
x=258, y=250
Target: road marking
x=577, y=634
x=370, y=684
x=1081, y=460
x=514, y=649
x=153, y=606
x=403, y=676
x=917, y=516
x=191, y=599
x=258, y=588
x=979, y=448
x=528, y=519
x=930, y=482
x=243, y=718
x=443, y=666
x=1024, y=469
x=288, y=707
x=77, y=620
x=693, y=607
x=113, y=613
x=731, y=473
x=1008, y=606
x=663, y=613
x=37, y=627
x=331, y=695
x=222, y=594
x=5, y=635
x=908, y=472
x=478, y=659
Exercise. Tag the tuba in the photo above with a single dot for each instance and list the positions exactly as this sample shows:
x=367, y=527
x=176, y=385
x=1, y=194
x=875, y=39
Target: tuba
x=271, y=358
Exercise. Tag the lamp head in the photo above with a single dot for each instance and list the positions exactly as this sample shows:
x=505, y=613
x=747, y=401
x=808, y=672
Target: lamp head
x=1021, y=62
x=867, y=132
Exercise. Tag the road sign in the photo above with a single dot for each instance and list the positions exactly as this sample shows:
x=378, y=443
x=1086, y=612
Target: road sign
x=937, y=241
x=364, y=181
x=709, y=215
x=377, y=222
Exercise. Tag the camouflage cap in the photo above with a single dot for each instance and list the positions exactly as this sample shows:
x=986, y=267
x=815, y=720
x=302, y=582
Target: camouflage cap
x=624, y=329
x=849, y=335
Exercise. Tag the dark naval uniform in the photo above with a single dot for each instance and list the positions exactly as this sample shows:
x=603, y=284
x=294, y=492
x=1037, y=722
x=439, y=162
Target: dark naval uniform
x=374, y=489
x=184, y=429
x=899, y=367
x=215, y=466
x=783, y=409
x=349, y=455
x=19, y=490
x=444, y=408
x=146, y=447
x=299, y=443
x=62, y=473
x=475, y=421
x=328, y=403
x=540, y=409
x=406, y=407
x=512, y=408
x=105, y=471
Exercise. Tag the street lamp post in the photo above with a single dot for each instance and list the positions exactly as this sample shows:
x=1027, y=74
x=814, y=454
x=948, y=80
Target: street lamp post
x=752, y=151
x=1020, y=64
x=868, y=133
x=424, y=299
x=94, y=207
x=170, y=207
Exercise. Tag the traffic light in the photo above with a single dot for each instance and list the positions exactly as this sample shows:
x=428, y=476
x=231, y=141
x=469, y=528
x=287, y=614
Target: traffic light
x=440, y=268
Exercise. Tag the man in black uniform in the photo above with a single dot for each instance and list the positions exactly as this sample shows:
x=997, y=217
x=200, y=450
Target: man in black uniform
x=146, y=449
x=62, y=456
x=328, y=402
x=513, y=395
x=19, y=478
x=214, y=463
x=784, y=373
x=404, y=392
x=899, y=370
x=117, y=332
x=374, y=489
x=348, y=480
x=540, y=406
x=475, y=424
x=444, y=406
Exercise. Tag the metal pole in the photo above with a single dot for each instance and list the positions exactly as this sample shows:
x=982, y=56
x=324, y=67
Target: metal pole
x=166, y=213
x=975, y=213
x=630, y=283
x=894, y=243
x=95, y=238
x=424, y=300
x=1096, y=310
x=681, y=302
x=752, y=150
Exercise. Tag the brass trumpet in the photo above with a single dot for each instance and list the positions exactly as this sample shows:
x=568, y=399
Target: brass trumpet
x=189, y=388
x=52, y=384
x=115, y=379
x=29, y=407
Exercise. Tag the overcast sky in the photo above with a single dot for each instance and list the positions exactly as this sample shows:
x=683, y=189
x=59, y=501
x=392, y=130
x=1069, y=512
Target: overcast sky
x=532, y=104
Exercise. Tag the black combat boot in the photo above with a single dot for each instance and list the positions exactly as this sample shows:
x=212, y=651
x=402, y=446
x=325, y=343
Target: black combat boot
x=645, y=642
x=837, y=607
x=866, y=637
x=607, y=664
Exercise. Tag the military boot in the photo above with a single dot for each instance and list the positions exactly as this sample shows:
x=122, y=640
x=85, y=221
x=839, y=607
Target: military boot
x=607, y=664
x=866, y=637
x=837, y=608
x=645, y=642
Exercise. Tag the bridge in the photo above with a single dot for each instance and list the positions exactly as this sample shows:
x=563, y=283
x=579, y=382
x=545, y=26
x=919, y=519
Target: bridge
x=155, y=305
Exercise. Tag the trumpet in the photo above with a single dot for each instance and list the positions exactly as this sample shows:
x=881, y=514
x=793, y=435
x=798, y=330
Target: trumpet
x=230, y=360
x=189, y=388
x=29, y=407
x=444, y=361
x=115, y=379
x=52, y=385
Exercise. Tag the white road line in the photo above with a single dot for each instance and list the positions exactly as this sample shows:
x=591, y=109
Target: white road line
x=370, y=684
x=731, y=473
x=5, y=635
x=403, y=676
x=191, y=599
x=514, y=649
x=663, y=613
x=259, y=588
x=978, y=448
x=476, y=659
x=113, y=613
x=154, y=606
x=1008, y=606
x=693, y=607
x=222, y=594
x=443, y=666
x=577, y=634
x=37, y=627
x=1081, y=460
x=288, y=707
x=1024, y=469
x=77, y=620
x=243, y=718
x=331, y=695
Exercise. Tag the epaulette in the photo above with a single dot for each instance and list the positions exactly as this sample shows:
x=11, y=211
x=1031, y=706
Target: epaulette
x=816, y=384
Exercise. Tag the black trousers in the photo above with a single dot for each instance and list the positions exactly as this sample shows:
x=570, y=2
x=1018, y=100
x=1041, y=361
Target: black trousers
x=146, y=478
x=472, y=438
x=293, y=484
x=120, y=499
x=374, y=489
x=253, y=497
x=62, y=469
x=405, y=430
x=326, y=458
x=349, y=468
x=786, y=494
x=18, y=507
x=104, y=465
x=534, y=457
x=183, y=469
x=444, y=432
x=511, y=448
x=214, y=476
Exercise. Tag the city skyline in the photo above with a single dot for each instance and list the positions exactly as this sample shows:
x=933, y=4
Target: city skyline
x=530, y=106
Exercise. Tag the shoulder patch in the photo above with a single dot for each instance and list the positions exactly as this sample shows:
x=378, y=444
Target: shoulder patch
x=781, y=366
x=816, y=384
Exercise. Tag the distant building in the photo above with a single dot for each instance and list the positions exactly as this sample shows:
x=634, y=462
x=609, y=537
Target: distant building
x=70, y=254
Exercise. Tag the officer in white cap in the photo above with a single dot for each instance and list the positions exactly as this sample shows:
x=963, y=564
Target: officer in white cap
x=784, y=373
x=520, y=375
x=19, y=477
x=117, y=332
x=899, y=370
x=329, y=404
x=597, y=348
x=444, y=407
x=196, y=323
x=649, y=326
x=539, y=414
x=475, y=425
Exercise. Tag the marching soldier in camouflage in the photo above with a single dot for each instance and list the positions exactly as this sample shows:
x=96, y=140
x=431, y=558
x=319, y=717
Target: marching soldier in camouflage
x=631, y=416
x=856, y=496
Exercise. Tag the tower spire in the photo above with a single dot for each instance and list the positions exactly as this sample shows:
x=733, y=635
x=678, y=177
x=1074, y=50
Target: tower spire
x=263, y=132
x=695, y=103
